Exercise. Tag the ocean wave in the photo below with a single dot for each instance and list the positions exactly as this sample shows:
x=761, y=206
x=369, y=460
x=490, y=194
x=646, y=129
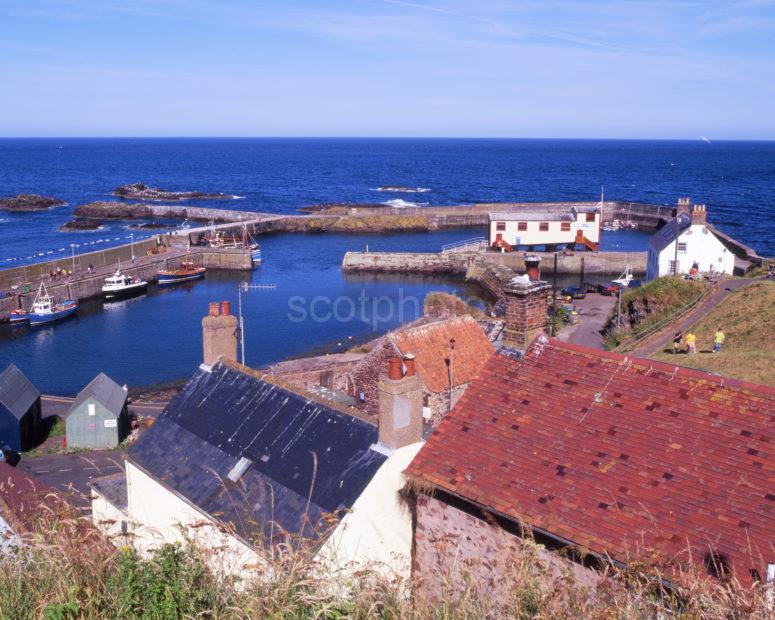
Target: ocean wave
x=400, y=189
x=400, y=203
x=235, y=197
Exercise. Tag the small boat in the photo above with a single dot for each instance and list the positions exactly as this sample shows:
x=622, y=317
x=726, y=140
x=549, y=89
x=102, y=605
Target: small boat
x=624, y=279
x=185, y=272
x=18, y=315
x=45, y=310
x=121, y=285
x=218, y=240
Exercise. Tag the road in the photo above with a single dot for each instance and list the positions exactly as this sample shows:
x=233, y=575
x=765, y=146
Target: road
x=59, y=406
x=72, y=472
x=593, y=312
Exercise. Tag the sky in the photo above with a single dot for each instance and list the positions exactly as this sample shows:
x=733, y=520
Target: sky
x=676, y=69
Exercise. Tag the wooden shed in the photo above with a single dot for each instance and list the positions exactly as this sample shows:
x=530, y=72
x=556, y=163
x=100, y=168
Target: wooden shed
x=98, y=417
x=20, y=420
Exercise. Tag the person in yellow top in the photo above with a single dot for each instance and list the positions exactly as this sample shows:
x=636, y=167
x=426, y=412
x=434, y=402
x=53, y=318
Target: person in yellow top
x=718, y=340
x=691, y=341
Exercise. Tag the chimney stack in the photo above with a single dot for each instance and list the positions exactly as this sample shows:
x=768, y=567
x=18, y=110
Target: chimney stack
x=684, y=205
x=699, y=215
x=527, y=308
x=400, y=405
x=219, y=333
x=533, y=267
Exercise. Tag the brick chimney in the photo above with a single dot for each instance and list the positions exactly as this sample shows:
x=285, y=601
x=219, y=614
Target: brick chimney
x=527, y=307
x=684, y=205
x=699, y=215
x=219, y=333
x=400, y=405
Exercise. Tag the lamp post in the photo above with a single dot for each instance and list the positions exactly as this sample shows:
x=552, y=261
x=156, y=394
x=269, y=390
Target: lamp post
x=72, y=249
x=132, y=245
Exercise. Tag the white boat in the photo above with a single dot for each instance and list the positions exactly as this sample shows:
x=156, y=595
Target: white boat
x=122, y=285
x=624, y=279
x=45, y=310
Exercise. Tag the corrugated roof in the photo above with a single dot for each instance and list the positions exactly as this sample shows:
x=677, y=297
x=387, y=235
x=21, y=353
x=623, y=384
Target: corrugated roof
x=17, y=393
x=666, y=235
x=307, y=459
x=105, y=391
x=431, y=347
x=615, y=454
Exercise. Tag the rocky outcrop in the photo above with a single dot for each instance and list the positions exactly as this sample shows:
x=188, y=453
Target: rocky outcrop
x=29, y=202
x=79, y=224
x=140, y=191
x=113, y=211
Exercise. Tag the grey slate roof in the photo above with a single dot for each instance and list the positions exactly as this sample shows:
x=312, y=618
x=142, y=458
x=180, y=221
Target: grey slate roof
x=17, y=394
x=307, y=459
x=105, y=391
x=112, y=488
x=666, y=235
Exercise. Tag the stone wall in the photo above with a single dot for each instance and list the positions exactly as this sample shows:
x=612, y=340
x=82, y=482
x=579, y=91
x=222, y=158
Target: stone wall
x=453, y=549
x=438, y=402
x=366, y=374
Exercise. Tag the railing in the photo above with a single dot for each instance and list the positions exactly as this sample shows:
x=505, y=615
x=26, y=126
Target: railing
x=471, y=245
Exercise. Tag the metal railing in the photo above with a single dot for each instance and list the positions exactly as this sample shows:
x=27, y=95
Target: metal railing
x=472, y=245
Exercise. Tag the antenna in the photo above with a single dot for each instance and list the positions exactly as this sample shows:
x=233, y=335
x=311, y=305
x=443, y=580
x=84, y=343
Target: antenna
x=245, y=287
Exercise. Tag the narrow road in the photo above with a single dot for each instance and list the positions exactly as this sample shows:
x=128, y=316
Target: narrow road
x=664, y=337
x=59, y=406
x=593, y=312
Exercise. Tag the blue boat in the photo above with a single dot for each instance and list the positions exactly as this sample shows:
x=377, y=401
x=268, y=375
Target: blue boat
x=187, y=271
x=45, y=310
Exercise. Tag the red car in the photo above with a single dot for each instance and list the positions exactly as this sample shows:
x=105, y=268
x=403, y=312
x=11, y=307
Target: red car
x=609, y=288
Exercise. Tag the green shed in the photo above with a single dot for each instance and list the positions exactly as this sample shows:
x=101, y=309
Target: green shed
x=98, y=417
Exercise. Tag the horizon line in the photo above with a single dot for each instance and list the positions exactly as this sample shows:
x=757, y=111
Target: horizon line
x=702, y=139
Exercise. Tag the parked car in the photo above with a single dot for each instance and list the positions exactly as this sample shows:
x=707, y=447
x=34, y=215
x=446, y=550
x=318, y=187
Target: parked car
x=635, y=284
x=9, y=456
x=609, y=288
x=574, y=292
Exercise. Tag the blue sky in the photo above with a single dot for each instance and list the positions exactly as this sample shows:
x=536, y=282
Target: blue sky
x=485, y=68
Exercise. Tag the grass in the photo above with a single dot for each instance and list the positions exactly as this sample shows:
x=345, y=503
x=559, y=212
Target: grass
x=649, y=306
x=747, y=317
x=441, y=304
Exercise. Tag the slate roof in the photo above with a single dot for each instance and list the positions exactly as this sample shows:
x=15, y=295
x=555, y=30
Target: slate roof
x=532, y=215
x=666, y=235
x=308, y=459
x=17, y=393
x=112, y=488
x=105, y=391
x=615, y=454
x=430, y=345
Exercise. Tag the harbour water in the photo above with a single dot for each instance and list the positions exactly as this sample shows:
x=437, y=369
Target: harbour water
x=157, y=339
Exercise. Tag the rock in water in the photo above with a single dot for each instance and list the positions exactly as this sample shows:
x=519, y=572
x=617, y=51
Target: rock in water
x=29, y=202
x=79, y=224
x=140, y=191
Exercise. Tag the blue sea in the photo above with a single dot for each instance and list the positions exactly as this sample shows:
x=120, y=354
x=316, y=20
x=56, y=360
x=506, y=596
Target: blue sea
x=157, y=338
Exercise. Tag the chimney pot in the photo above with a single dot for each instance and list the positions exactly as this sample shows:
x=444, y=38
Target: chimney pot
x=409, y=363
x=215, y=308
x=226, y=308
x=219, y=335
x=394, y=372
x=400, y=420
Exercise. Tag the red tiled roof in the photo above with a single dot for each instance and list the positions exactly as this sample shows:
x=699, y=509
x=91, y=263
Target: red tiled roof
x=430, y=345
x=616, y=454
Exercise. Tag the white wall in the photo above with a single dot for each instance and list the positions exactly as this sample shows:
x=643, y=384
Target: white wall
x=555, y=235
x=377, y=532
x=702, y=247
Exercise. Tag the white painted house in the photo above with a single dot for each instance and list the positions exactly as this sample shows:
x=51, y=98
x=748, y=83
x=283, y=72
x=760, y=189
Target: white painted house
x=687, y=244
x=239, y=462
x=530, y=227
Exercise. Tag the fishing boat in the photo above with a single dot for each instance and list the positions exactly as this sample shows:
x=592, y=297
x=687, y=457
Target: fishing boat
x=185, y=272
x=624, y=279
x=120, y=285
x=218, y=239
x=45, y=310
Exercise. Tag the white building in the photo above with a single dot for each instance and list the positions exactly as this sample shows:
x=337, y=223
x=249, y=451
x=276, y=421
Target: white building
x=240, y=463
x=687, y=243
x=529, y=228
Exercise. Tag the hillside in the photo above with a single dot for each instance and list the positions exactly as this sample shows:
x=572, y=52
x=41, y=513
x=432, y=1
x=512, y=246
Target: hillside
x=747, y=318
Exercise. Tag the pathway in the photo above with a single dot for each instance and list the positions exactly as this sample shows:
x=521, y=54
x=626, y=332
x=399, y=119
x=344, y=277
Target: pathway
x=593, y=313
x=664, y=337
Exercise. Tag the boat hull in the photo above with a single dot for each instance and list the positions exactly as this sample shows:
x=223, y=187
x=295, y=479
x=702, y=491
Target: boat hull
x=58, y=315
x=126, y=291
x=165, y=279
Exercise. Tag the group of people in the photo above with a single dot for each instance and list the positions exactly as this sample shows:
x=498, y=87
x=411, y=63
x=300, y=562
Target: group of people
x=59, y=274
x=691, y=341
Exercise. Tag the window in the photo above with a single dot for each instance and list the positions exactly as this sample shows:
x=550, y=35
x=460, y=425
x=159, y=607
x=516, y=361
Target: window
x=500, y=226
x=565, y=226
x=673, y=267
x=590, y=217
x=543, y=226
x=522, y=226
x=682, y=247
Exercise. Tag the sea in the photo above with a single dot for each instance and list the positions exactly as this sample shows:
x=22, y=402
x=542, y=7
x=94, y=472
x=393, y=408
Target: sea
x=312, y=307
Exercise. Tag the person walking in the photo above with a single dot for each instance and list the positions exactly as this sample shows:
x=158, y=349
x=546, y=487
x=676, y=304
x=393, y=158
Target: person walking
x=718, y=340
x=691, y=341
x=677, y=341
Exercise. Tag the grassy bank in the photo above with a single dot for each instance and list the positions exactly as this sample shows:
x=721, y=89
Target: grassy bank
x=358, y=224
x=746, y=317
x=649, y=307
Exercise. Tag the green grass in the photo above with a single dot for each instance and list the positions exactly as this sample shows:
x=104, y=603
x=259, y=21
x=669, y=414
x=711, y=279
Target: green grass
x=747, y=317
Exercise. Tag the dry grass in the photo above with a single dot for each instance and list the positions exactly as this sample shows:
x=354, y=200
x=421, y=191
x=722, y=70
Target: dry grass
x=747, y=317
x=441, y=304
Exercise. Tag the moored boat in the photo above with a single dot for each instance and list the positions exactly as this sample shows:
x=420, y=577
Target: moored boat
x=18, y=315
x=185, y=272
x=45, y=310
x=120, y=285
